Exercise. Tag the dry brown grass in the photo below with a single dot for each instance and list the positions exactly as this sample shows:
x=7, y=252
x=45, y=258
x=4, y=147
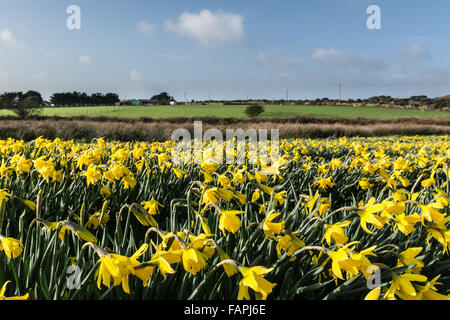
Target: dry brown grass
x=159, y=130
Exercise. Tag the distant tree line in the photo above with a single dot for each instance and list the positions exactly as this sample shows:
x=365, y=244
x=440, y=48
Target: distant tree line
x=163, y=98
x=22, y=104
x=71, y=99
x=160, y=99
x=414, y=102
x=31, y=102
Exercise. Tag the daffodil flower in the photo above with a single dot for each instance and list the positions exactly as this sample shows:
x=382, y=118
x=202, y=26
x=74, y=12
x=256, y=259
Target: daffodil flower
x=171, y=254
x=145, y=270
x=152, y=206
x=405, y=223
x=229, y=221
x=193, y=260
x=94, y=220
x=215, y=194
x=203, y=244
x=341, y=259
x=128, y=182
x=105, y=192
x=336, y=233
x=408, y=257
x=324, y=183
x=280, y=197
x=4, y=194
x=117, y=268
x=289, y=243
x=442, y=235
x=312, y=202
x=401, y=284
x=92, y=175
x=62, y=230
x=12, y=247
x=429, y=291
x=364, y=184
x=431, y=214
x=272, y=228
x=256, y=195
x=364, y=262
x=179, y=173
x=374, y=294
x=367, y=215
x=252, y=278
x=3, y=297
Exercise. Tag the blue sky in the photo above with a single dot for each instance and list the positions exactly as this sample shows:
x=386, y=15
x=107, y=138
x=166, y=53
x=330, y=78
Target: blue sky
x=231, y=49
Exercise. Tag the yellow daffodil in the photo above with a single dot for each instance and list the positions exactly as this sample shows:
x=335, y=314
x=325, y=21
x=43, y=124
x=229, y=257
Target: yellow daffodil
x=105, y=192
x=272, y=228
x=92, y=175
x=11, y=247
x=128, y=182
x=193, y=260
x=408, y=257
x=336, y=233
x=117, y=268
x=405, y=224
x=252, y=278
x=365, y=184
x=94, y=220
x=152, y=206
x=289, y=243
x=374, y=294
x=367, y=215
x=324, y=183
x=4, y=194
x=342, y=259
x=3, y=297
x=401, y=284
x=229, y=221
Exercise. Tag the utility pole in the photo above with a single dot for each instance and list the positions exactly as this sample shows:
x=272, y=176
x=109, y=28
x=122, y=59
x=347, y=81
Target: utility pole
x=185, y=97
x=209, y=95
x=287, y=95
x=340, y=93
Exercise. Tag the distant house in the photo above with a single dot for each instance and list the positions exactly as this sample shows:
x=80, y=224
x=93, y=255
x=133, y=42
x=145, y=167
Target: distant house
x=145, y=102
x=161, y=99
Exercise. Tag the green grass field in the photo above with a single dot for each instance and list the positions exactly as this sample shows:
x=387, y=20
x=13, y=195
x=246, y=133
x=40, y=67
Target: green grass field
x=272, y=111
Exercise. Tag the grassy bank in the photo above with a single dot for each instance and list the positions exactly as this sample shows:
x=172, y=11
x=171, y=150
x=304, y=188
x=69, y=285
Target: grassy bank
x=146, y=129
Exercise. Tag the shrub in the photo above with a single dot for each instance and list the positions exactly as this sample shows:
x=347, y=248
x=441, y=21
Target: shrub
x=254, y=110
x=23, y=105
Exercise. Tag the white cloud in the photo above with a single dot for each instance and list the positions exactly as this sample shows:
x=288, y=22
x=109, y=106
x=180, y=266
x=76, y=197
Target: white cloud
x=414, y=50
x=279, y=60
x=85, y=60
x=7, y=37
x=209, y=28
x=344, y=60
x=330, y=55
x=146, y=28
x=135, y=75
